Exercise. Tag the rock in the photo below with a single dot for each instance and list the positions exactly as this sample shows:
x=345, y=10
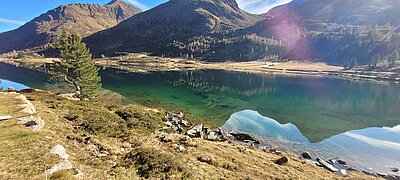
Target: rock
x=273, y=150
x=382, y=175
x=179, y=147
x=28, y=90
x=33, y=123
x=342, y=172
x=282, y=161
x=71, y=117
x=63, y=165
x=278, y=152
x=78, y=174
x=196, y=131
x=175, y=121
x=60, y=151
x=244, y=137
x=87, y=140
x=212, y=136
x=27, y=106
x=183, y=122
x=369, y=173
x=180, y=115
x=392, y=177
x=166, y=138
x=342, y=162
x=306, y=155
x=327, y=166
x=393, y=169
x=168, y=123
x=168, y=116
x=30, y=123
x=205, y=159
x=5, y=118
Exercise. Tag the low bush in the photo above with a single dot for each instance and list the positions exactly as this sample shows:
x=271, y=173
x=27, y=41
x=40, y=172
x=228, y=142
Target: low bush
x=151, y=163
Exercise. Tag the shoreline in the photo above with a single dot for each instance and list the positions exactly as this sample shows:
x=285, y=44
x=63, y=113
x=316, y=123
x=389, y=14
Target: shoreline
x=140, y=63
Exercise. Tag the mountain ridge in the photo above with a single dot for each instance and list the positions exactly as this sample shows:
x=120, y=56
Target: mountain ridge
x=84, y=19
x=175, y=20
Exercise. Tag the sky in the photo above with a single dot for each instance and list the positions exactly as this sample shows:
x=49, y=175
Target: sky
x=14, y=13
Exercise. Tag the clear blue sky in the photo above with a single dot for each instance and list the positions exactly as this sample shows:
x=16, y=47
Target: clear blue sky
x=14, y=13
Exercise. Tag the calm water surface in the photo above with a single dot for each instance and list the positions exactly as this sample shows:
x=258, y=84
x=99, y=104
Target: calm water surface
x=320, y=107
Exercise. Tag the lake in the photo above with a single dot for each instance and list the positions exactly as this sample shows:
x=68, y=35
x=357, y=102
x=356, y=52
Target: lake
x=315, y=112
x=320, y=107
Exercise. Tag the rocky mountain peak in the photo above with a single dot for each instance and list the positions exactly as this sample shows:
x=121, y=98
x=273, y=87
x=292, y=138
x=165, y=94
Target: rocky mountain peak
x=84, y=19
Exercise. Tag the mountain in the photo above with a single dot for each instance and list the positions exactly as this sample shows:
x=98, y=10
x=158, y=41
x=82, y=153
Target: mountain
x=356, y=12
x=161, y=29
x=85, y=19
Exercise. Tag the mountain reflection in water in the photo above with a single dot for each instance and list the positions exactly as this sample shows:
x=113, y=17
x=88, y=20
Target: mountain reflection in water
x=376, y=148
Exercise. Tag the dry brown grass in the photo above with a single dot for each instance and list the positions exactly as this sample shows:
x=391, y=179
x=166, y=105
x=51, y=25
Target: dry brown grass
x=137, y=155
x=9, y=105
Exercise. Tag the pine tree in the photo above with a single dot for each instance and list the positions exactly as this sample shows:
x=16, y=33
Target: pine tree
x=376, y=60
x=76, y=66
x=353, y=62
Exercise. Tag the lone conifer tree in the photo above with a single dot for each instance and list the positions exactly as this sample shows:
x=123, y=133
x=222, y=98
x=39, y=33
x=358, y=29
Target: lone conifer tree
x=76, y=66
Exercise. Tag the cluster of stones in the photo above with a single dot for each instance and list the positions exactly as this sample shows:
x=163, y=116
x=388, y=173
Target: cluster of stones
x=60, y=151
x=177, y=123
x=28, y=120
x=340, y=167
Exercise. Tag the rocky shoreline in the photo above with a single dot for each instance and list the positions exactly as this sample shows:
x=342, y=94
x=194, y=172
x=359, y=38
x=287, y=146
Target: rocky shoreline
x=176, y=123
x=144, y=64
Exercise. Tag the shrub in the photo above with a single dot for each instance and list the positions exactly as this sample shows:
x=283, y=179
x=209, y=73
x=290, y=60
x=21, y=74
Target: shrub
x=151, y=163
x=104, y=122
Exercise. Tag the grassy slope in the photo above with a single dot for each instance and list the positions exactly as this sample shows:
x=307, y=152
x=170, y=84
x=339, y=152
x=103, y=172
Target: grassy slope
x=130, y=149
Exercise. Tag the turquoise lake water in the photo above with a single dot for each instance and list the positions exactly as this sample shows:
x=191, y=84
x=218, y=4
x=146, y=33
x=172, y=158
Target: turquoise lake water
x=320, y=107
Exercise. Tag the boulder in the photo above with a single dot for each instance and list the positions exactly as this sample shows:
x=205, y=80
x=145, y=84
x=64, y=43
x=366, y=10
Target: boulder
x=196, y=131
x=243, y=137
x=306, y=155
x=327, y=166
x=342, y=172
x=33, y=123
x=342, y=162
x=5, y=118
x=183, y=122
x=282, y=161
x=217, y=135
x=166, y=138
x=180, y=115
x=212, y=136
x=60, y=151
x=63, y=165
x=393, y=169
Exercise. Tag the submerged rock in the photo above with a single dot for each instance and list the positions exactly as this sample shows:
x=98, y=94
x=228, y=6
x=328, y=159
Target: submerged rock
x=306, y=155
x=392, y=177
x=243, y=137
x=393, y=169
x=342, y=172
x=327, y=166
